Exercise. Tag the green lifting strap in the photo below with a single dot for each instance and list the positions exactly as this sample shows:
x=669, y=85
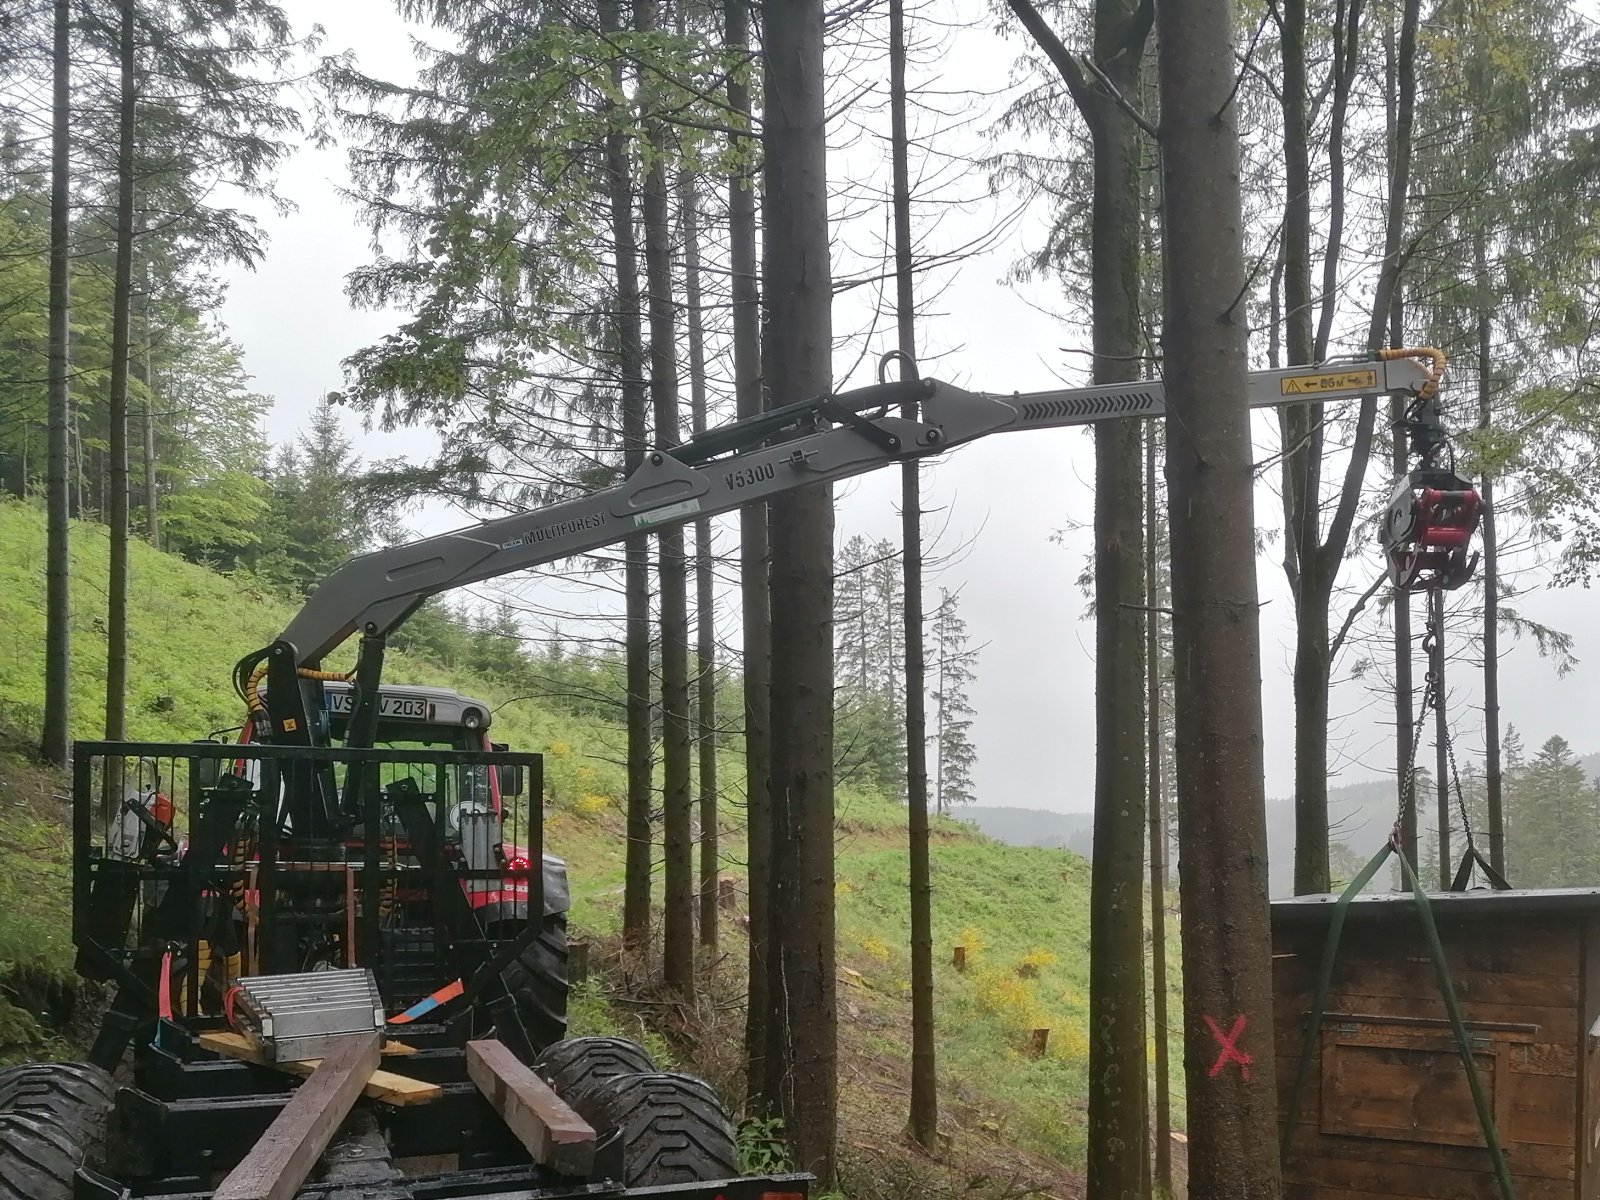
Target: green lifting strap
x=1464, y=872
x=1319, y=1005
x=1319, y=999
x=1491, y=1138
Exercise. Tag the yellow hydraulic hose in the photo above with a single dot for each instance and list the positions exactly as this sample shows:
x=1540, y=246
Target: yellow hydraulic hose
x=252, y=686
x=252, y=689
x=1432, y=355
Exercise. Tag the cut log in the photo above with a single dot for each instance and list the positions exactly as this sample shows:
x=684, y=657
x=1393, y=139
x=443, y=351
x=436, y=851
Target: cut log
x=280, y=1162
x=554, y=1135
x=383, y=1085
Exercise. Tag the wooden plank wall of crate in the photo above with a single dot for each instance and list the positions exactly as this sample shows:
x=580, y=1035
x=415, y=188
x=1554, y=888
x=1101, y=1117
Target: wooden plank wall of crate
x=1387, y=1111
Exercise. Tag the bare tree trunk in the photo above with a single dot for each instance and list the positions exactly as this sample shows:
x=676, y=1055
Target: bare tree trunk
x=1118, y=1137
x=1404, y=715
x=1232, y=1100
x=55, y=734
x=1441, y=734
x=753, y=594
x=677, y=908
x=152, y=495
x=704, y=574
x=1389, y=312
x=636, y=550
x=1118, y=1132
x=1312, y=564
x=923, y=1123
x=939, y=715
x=1492, y=778
x=798, y=360
x=79, y=508
x=1158, y=840
x=1302, y=478
x=116, y=504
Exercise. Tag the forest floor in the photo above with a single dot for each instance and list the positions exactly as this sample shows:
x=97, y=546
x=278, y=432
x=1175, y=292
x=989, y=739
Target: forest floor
x=1011, y=1124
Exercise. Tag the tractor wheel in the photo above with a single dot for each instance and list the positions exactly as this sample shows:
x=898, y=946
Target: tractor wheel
x=59, y=1090
x=53, y=1119
x=538, y=982
x=673, y=1127
x=578, y=1067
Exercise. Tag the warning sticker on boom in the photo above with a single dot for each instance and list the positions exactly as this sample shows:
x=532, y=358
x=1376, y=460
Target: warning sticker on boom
x=1328, y=381
x=671, y=512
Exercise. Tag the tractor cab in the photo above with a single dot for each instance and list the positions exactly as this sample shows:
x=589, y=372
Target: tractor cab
x=434, y=718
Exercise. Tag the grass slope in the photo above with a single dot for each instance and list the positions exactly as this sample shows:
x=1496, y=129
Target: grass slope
x=1021, y=913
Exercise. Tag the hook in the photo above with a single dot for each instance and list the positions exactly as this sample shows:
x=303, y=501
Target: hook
x=908, y=365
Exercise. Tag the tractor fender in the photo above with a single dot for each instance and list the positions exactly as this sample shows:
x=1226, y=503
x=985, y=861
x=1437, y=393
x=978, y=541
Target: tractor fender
x=556, y=897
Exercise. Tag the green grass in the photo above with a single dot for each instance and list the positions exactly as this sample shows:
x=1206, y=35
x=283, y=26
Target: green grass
x=1020, y=913
x=1022, y=916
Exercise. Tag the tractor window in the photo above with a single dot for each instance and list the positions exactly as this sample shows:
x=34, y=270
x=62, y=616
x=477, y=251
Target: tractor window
x=458, y=789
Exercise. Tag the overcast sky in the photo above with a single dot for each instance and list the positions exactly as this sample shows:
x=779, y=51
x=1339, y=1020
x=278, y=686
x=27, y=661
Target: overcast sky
x=1004, y=497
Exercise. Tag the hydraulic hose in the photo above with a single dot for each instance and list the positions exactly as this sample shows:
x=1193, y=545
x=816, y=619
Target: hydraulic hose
x=1432, y=355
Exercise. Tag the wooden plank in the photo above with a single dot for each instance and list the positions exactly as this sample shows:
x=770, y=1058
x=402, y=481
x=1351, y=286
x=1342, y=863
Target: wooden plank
x=1414, y=1182
x=1537, y=1109
x=1586, y=1131
x=1556, y=1024
x=554, y=1135
x=1415, y=1094
x=280, y=1162
x=386, y=1086
x=1534, y=1161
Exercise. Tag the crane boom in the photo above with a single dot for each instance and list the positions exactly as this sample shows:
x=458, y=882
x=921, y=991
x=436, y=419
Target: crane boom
x=744, y=462
x=753, y=460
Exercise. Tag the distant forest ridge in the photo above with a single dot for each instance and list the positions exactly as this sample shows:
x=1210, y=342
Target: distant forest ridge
x=1360, y=815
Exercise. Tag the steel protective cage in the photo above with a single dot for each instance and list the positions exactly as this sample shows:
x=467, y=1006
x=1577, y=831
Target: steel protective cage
x=131, y=905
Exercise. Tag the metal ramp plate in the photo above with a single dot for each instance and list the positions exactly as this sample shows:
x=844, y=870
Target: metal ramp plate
x=296, y=1017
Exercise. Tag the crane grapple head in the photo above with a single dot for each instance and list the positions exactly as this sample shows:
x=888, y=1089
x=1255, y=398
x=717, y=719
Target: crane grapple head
x=1428, y=529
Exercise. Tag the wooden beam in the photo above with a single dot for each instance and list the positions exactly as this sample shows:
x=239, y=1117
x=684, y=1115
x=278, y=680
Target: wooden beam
x=555, y=1136
x=280, y=1162
x=384, y=1085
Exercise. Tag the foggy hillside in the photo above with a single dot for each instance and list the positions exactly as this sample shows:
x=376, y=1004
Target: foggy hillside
x=1360, y=816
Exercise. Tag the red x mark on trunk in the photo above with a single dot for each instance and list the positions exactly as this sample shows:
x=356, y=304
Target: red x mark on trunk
x=1230, y=1047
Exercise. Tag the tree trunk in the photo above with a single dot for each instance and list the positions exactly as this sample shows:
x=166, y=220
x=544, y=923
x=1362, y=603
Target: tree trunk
x=1118, y=1155
x=1404, y=715
x=55, y=734
x=79, y=508
x=798, y=359
x=1389, y=313
x=1227, y=946
x=116, y=503
x=1312, y=564
x=1312, y=666
x=923, y=1123
x=753, y=594
x=1301, y=427
x=677, y=907
x=704, y=576
x=1158, y=840
x=1441, y=735
x=636, y=550
x=1118, y=1130
x=152, y=497
x=1492, y=781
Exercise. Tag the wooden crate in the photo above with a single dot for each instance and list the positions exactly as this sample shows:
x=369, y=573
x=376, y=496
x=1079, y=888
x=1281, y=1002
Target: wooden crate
x=1387, y=1111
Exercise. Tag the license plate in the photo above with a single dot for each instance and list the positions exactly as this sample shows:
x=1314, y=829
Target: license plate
x=409, y=708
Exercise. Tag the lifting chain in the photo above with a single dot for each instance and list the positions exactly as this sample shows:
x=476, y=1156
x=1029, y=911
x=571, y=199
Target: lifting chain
x=1432, y=699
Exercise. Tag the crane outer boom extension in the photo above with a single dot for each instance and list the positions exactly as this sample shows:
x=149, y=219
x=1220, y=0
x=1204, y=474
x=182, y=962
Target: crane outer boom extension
x=754, y=460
